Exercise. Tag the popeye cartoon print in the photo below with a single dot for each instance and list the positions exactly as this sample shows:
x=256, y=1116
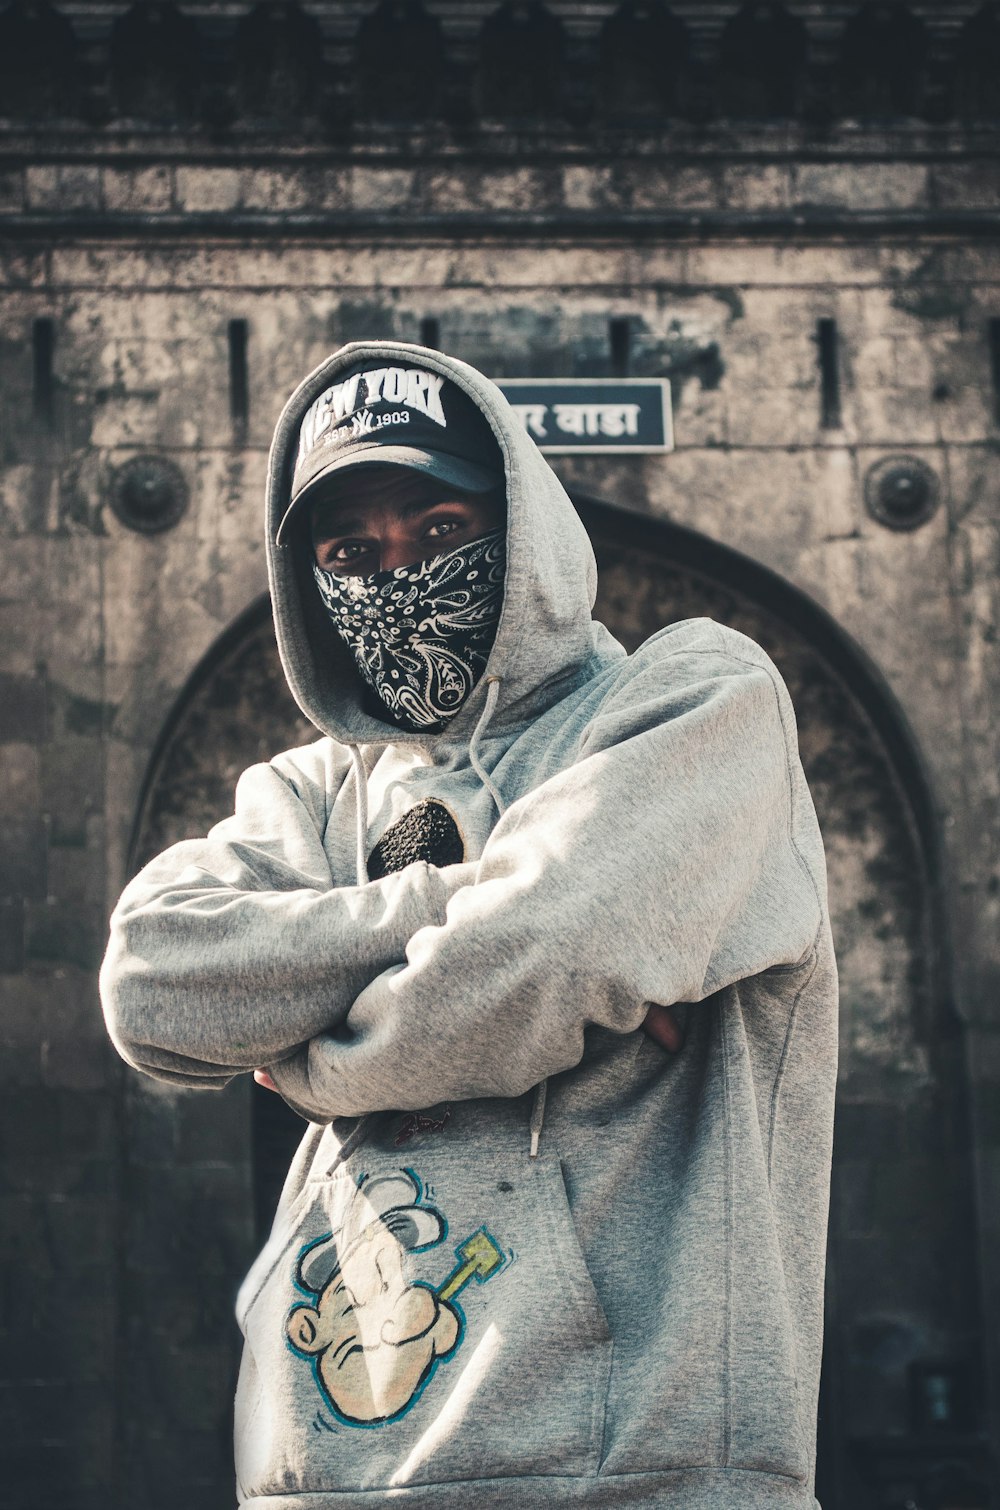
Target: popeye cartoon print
x=373, y=1336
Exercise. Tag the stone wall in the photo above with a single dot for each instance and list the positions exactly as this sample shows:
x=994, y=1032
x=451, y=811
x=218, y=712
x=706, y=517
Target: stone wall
x=124, y=264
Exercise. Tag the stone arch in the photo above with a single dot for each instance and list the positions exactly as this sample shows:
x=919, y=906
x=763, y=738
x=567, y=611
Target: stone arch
x=522, y=64
x=643, y=50
x=762, y=60
x=278, y=63
x=883, y=61
x=399, y=63
x=901, y=1160
x=978, y=65
x=156, y=64
x=38, y=62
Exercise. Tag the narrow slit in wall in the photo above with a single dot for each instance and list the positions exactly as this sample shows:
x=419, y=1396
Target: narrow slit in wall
x=994, y=337
x=620, y=341
x=827, y=341
x=43, y=345
x=239, y=377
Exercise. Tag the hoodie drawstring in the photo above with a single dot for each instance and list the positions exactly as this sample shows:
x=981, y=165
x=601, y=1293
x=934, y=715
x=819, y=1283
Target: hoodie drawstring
x=360, y=811
x=537, y=1117
x=354, y=1140
x=489, y=708
x=360, y=1131
x=492, y=693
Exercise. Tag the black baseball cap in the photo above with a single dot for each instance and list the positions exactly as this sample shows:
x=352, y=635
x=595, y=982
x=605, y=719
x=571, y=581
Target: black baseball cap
x=403, y=415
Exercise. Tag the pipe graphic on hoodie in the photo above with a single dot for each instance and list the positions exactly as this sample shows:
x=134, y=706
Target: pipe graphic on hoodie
x=373, y=1337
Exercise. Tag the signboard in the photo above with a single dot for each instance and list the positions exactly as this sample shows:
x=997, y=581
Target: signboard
x=593, y=414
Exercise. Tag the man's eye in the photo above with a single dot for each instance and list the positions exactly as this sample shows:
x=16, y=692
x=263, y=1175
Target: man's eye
x=443, y=527
x=349, y=551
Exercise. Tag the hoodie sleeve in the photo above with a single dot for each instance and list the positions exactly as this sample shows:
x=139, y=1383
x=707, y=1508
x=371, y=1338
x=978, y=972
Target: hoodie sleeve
x=227, y=953
x=660, y=867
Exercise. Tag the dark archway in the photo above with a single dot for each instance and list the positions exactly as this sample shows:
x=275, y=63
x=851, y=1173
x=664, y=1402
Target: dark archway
x=643, y=49
x=902, y=1290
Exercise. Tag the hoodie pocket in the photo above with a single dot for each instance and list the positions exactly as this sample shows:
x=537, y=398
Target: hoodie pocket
x=420, y=1325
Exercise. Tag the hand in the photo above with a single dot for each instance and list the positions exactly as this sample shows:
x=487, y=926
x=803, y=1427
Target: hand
x=264, y=1079
x=663, y=1027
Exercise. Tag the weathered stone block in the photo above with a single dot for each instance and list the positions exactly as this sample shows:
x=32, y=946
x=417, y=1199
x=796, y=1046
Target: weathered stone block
x=81, y=1062
x=56, y=1141
x=76, y=869
x=155, y=1112
x=965, y=414
x=201, y=189
x=967, y=185
x=41, y=185
x=138, y=191
x=11, y=936
x=772, y=417
x=284, y=188
x=892, y=417
x=22, y=269
x=851, y=1197
x=752, y=361
x=23, y=857
x=20, y=788
x=447, y=190
x=11, y=189
x=380, y=189
x=22, y=708
x=860, y=186
x=63, y=187
x=127, y=419
x=756, y=186
x=195, y=1232
x=701, y=418
x=838, y=493
x=667, y=189
x=79, y=187
x=333, y=188
x=724, y=266
x=587, y=186
x=62, y=933
x=872, y=363
x=975, y=484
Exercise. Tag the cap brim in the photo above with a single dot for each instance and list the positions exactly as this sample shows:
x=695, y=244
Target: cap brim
x=465, y=475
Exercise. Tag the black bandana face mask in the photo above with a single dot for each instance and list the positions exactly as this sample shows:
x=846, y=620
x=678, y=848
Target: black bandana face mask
x=421, y=635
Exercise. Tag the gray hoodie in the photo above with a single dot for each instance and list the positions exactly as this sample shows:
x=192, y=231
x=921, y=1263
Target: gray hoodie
x=477, y=1293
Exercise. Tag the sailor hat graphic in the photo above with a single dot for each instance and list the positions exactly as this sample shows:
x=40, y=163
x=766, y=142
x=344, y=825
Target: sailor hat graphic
x=391, y=1201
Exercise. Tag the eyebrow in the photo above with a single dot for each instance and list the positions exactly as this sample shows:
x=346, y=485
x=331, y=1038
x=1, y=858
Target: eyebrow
x=344, y=524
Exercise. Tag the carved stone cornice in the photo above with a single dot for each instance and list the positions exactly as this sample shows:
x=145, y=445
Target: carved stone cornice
x=336, y=71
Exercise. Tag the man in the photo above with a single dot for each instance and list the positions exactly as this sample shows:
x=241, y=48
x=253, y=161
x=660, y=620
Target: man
x=522, y=1256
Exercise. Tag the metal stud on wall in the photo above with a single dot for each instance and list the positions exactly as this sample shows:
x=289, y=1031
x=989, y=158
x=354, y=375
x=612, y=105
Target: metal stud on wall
x=149, y=494
x=901, y=492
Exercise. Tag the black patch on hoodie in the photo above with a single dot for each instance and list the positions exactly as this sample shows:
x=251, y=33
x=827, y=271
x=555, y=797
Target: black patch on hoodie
x=427, y=832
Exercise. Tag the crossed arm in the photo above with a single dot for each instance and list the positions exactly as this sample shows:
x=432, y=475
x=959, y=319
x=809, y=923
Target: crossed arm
x=659, y=1022
x=656, y=869
x=234, y=950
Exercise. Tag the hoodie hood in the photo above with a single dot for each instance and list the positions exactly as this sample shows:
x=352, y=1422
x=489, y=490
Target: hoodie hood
x=546, y=633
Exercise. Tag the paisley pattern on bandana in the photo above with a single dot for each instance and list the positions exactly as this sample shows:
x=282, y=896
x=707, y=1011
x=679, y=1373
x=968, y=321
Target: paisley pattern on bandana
x=421, y=635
